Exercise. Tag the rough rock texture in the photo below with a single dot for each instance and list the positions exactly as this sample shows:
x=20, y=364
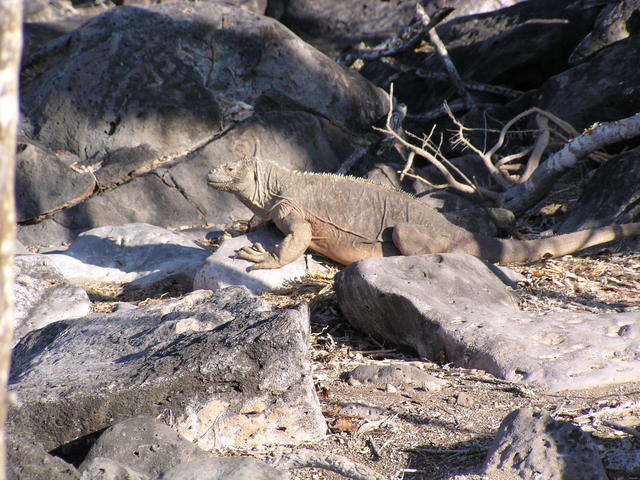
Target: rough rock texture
x=144, y=448
x=455, y=307
x=224, y=366
x=143, y=444
x=43, y=296
x=223, y=268
x=47, y=233
x=187, y=77
x=395, y=374
x=101, y=468
x=236, y=468
x=611, y=196
x=531, y=445
x=138, y=254
x=28, y=460
x=35, y=168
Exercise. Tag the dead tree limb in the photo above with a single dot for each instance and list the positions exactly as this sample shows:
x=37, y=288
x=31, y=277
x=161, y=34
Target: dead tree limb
x=525, y=195
x=538, y=149
x=441, y=49
x=10, y=46
x=328, y=461
x=450, y=179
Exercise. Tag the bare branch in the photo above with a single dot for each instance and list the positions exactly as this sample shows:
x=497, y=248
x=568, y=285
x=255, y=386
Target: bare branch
x=422, y=152
x=440, y=186
x=525, y=195
x=502, y=178
x=444, y=55
x=541, y=144
x=502, y=163
x=471, y=85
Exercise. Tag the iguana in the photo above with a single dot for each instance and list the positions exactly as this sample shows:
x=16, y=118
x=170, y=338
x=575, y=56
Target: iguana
x=347, y=219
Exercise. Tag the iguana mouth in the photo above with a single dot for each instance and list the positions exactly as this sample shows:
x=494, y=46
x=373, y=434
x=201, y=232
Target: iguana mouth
x=214, y=179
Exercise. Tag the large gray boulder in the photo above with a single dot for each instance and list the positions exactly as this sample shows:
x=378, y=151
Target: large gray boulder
x=604, y=88
x=28, y=460
x=224, y=368
x=457, y=308
x=143, y=448
x=132, y=109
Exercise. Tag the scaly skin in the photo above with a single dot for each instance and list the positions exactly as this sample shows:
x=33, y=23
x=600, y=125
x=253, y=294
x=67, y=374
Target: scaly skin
x=347, y=219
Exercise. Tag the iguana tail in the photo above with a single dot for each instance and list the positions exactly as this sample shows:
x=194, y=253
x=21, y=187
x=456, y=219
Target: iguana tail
x=522, y=251
x=420, y=239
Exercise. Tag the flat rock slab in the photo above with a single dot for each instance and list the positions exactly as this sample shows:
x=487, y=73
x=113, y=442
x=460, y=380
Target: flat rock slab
x=457, y=306
x=224, y=367
x=43, y=296
x=531, y=444
x=223, y=268
x=138, y=254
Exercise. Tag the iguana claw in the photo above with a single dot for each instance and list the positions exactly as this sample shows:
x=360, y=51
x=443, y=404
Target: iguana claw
x=257, y=254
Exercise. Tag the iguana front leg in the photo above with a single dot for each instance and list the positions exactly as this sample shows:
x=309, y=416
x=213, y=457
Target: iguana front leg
x=296, y=241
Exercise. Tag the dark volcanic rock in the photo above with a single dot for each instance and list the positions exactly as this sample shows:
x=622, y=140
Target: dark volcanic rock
x=225, y=368
x=332, y=26
x=602, y=89
x=518, y=47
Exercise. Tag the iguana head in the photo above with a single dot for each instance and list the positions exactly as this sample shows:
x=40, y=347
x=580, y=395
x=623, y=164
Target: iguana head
x=234, y=176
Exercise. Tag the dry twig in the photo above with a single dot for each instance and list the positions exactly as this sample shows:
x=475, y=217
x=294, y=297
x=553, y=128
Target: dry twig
x=431, y=157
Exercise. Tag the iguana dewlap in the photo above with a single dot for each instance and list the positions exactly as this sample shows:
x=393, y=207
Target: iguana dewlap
x=347, y=219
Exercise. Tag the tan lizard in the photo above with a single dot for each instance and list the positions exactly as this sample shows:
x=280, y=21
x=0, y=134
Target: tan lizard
x=347, y=219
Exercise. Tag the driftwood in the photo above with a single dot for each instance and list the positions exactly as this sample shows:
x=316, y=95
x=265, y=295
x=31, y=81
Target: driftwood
x=10, y=46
